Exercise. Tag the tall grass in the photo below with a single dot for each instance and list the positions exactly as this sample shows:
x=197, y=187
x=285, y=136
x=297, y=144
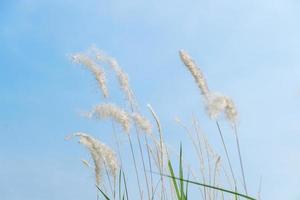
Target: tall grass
x=154, y=165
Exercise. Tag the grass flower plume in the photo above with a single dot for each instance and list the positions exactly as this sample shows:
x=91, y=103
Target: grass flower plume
x=195, y=71
x=216, y=104
x=121, y=75
x=101, y=154
x=111, y=111
x=142, y=123
x=94, y=68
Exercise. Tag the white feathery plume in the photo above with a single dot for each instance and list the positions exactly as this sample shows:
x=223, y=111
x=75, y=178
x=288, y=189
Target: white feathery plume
x=195, y=71
x=121, y=75
x=111, y=161
x=101, y=154
x=230, y=110
x=111, y=111
x=94, y=68
x=217, y=104
x=142, y=123
x=95, y=150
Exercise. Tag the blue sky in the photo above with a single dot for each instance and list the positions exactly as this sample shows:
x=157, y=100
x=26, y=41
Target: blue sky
x=247, y=49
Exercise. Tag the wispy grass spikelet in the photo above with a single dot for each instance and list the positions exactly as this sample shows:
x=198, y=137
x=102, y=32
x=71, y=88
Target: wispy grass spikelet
x=230, y=110
x=101, y=154
x=142, y=123
x=215, y=105
x=121, y=75
x=93, y=148
x=195, y=71
x=111, y=111
x=94, y=68
x=218, y=104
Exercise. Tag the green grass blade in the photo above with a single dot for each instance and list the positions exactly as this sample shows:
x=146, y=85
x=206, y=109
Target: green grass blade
x=187, y=188
x=182, y=196
x=210, y=186
x=106, y=197
x=125, y=184
x=173, y=179
x=120, y=179
x=235, y=196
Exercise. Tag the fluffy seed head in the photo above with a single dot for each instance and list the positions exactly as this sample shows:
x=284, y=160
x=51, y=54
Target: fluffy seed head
x=195, y=71
x=111, y=111
x=101, y=154
x=142, y=123
x=217, y=104
x=121, y=75
x=111, y=160
x=94, y=68
x=95, y=150
x=231, y=111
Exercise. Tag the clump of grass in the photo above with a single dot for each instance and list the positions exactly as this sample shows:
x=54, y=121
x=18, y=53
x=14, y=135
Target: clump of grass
x=155, y=173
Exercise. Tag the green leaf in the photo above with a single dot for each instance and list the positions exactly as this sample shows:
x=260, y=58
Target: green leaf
x=182, y=196
x=120, y=179
x=210, y=186
x=235, y=196
x=126, y=191
x=106, y=197
x=187, y=187
x=173, y=180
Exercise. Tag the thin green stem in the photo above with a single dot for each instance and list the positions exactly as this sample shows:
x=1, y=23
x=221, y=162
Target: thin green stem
x=150, y=165
x=143, y=162
x=135, y=166
x=141, y=151
x=226, y=152
x=240, y=157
